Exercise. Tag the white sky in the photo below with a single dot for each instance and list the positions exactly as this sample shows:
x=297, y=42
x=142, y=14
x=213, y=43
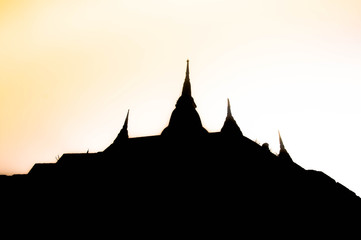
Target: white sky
x=70, y=70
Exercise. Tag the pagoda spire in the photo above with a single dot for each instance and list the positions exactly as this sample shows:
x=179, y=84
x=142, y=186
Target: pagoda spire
x=185, y=121
x=186, y=98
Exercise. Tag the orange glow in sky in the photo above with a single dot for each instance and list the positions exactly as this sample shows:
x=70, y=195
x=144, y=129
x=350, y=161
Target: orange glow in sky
x=70, y=70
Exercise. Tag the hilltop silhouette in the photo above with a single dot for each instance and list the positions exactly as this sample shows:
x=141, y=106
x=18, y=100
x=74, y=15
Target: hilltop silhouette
x=187, y=174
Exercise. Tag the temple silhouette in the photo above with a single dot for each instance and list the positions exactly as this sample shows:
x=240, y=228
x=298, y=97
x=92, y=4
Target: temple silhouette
x=189, y=173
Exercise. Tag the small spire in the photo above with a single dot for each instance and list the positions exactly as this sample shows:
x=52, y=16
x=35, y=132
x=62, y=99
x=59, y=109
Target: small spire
x=187, y=71
x=230, y=126
x=229, y=113
x=125, y=125
x=122, y=136
x=282, y=147
x=283, y=155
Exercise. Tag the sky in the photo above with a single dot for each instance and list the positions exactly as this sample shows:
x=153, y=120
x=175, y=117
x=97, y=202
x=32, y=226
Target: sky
x=70, y=70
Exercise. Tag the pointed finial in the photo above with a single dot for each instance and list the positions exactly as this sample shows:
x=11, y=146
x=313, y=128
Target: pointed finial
x=125, y=126
x=229, y=113
x=283, y=155
x=123, y=134
x=187, y=85
x=282, y=147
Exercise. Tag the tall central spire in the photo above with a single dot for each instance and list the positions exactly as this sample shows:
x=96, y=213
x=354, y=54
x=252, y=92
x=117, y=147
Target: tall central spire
x=185, y=120
x=186, y=97
x=187, y=84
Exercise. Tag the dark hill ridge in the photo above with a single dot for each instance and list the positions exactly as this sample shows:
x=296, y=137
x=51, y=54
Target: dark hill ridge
x=187, y=172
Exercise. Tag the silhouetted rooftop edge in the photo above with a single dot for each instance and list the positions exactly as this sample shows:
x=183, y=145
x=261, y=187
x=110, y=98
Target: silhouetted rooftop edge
x=187, y=166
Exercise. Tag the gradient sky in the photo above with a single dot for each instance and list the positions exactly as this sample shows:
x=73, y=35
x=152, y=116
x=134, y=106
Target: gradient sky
x=70, y=70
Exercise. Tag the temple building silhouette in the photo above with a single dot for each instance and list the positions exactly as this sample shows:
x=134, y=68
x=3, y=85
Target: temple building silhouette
x=187, y=169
